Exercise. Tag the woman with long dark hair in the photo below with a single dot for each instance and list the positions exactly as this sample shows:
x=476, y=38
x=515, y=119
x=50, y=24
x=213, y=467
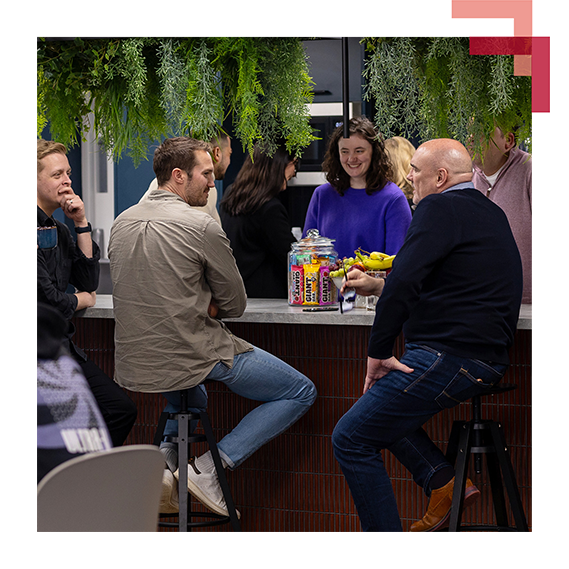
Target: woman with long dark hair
x=359, y=206
x=257, y=223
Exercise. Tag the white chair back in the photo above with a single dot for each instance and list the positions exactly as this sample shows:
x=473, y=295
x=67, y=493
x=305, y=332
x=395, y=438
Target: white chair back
x=110, y=491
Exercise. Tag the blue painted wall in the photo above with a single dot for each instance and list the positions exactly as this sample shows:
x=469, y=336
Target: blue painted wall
x=131, y=182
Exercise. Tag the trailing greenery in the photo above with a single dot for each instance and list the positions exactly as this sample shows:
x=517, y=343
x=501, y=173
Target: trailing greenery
x=433, y=88
x=41, y=108
x=134, y=91
x=138, y=90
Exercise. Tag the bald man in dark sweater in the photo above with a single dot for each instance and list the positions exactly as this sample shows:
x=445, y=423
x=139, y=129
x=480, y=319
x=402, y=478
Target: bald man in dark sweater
x=455, y=292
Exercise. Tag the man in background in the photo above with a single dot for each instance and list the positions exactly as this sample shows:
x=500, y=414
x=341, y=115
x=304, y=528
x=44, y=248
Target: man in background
x=503, y=172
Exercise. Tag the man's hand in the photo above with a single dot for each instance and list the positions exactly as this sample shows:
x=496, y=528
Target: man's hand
x=363, y=284
x=85, y=300
x=376, y=369
x=72, y=206
x=212, y=309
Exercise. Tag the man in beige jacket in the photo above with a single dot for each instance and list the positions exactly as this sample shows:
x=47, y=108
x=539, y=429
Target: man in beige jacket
x=174, y=278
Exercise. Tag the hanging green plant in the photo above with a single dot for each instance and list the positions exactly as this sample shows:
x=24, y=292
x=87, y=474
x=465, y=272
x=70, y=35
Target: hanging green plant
x=433, y=88
x=138, y=90
x=41, y=110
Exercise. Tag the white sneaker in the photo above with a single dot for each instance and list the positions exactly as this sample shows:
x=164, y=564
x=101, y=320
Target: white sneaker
x=205, y=487
x=169, y=498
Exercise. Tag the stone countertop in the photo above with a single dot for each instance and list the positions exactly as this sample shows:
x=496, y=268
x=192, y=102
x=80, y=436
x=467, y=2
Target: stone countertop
x=277, y=311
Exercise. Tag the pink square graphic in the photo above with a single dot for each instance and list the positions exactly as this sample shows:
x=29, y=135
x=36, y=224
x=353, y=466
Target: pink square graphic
x=550, y=84
x=501, y=45
x=492, y=18
x=522, y=65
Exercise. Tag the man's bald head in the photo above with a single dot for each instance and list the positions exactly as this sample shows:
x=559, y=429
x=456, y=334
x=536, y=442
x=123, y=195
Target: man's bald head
x=437, y=165
x=451, y=155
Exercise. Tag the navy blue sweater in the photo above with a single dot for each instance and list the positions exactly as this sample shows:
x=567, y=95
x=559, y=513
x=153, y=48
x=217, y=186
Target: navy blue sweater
x=456, y=283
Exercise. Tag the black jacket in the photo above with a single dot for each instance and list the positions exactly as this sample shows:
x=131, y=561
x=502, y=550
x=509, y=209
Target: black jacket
x=260, y=242
x=456, y=283
x=63, y=266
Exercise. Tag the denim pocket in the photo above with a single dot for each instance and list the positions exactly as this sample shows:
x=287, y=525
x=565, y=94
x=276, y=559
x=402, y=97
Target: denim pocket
x=423, y=360
x=473, y=378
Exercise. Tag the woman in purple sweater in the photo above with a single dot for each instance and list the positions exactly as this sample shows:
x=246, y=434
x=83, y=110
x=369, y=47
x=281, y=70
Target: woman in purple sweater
x=359, y=206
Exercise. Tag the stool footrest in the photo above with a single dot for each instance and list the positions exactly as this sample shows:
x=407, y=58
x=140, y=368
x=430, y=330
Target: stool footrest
x=192, y=416
x=218, y=520
x=190, y=439
x=483, y=449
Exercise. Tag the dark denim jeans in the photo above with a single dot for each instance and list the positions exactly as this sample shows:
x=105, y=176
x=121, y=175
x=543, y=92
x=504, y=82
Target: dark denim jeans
x=390, y=416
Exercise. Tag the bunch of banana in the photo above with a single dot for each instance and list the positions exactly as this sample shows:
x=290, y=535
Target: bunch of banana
x=375, y=261
x=364, y=261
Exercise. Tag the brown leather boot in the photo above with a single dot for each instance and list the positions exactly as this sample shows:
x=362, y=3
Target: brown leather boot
x=438, y=512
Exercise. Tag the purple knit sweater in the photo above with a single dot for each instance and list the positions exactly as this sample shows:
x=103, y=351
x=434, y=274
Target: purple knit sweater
x=375, y=223
x=512, y=192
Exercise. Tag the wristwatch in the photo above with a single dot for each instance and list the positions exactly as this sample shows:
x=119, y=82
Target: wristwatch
x=84, y=229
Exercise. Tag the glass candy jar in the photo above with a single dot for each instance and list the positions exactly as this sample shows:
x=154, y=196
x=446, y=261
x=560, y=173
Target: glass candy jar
x=309, y=262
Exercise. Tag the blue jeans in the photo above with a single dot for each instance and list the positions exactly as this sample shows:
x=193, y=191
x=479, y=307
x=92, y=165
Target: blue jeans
x=390, y=416
x=260, y=376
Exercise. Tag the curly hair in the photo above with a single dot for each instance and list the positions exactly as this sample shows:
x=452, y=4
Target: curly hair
x=380, y=168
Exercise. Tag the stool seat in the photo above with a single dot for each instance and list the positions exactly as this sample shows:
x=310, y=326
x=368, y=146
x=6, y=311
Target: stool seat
x=479, y=437
x=184, y=440
x=497, y=389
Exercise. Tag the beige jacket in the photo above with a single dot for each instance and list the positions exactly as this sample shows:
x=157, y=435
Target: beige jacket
x=168, y=261
x=210, y=207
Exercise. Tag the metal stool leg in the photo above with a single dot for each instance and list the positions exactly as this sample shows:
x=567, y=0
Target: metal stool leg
x=160, y=428
x=204, y=418
x=461, y=472
x=183, y=433
x=453, y=441
x=509, y=477
x=493, y=467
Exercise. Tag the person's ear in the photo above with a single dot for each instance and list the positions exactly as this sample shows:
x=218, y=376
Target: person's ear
x=442, y=177
x=216, y=154
x=510, y=141
x=178, y=175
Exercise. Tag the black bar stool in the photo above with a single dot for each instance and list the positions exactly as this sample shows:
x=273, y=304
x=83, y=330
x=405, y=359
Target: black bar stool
x=184, y=439
x=478, y=437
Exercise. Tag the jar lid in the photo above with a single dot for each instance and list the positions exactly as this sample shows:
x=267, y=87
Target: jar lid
x=313, y=239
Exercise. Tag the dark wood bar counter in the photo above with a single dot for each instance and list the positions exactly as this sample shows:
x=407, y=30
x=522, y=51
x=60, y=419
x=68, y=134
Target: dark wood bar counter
x=294, y=483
